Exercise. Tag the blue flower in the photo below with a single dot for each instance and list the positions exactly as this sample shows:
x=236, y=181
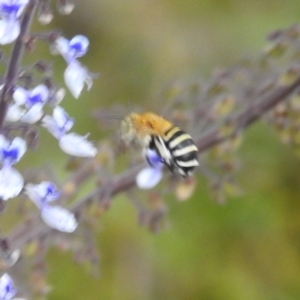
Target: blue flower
x=75, y=75
x=10, y=11
x=54, y=216
x=151, y=175
x=59, y=124
x=7, y=289
x=39, y=94
x=12, y=8
x=43, y=193
x=28, y=106
x=71, y=143
x=72, y=49
x=11, y=181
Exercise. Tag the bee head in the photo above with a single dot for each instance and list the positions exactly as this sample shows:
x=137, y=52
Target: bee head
x=128, y=132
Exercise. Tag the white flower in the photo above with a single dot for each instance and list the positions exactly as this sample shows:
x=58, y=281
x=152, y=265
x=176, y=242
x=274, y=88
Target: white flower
x=11, y=181
x=42, y=193
x=14, y=113
x=70, y=143
x=7, y=289
x=54, y=216
x=77, y=145
x=59, y=124
x=39, y=94
x=28, y=106
x=76, y=76
x=10, y=11
x=9, y=30
x=10, y=8
x=59, y=218
x=33, y=114
x=11, y=151
x=70, y=50
x=150, y=176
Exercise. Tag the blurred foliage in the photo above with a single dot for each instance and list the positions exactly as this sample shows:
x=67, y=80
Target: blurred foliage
x=246, y=249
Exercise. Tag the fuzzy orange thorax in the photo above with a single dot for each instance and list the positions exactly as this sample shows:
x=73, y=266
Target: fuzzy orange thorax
x=150, y=124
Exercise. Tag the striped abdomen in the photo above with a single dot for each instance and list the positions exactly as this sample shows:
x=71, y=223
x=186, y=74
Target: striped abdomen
x=178, y=149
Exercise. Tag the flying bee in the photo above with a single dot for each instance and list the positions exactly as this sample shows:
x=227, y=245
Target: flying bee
x=175, y=147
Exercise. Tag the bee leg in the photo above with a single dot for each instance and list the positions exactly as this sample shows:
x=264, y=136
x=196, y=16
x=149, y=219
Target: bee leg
x=170, y=167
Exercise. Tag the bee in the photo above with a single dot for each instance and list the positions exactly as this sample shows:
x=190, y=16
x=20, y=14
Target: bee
x=175, y=147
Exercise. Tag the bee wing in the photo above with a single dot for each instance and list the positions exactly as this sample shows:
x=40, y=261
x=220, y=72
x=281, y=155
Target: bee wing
x=162, y=149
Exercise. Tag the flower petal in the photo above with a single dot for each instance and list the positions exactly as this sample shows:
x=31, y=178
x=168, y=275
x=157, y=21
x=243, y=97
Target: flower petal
x=14, y=113
x=72, y=49
x=42, y=193
x=34, y=114
x=59, y=218
x=19, y=144
x=148, y=178
x=49, y=123
x=76, y=76
x=77, y=145
x=7, y=289
x=12, y=8
x=62, y=118
x=11, y=152
x=59, y=124
x=9, y=30
x=62, y=46
x=153, y=159
x=4, y=143
x=79, y=44
x=20, y=96
x=22, y=4
x=58, y=96
x=42, y=91
x=11, y=183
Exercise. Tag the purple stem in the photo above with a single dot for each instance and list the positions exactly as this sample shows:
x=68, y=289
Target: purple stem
x=11, y=75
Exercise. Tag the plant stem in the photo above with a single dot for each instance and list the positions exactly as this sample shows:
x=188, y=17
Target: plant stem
x=126, y=180
x=11, y=75
x=247, y=116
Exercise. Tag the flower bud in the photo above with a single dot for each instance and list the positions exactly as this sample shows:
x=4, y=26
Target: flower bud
x=65, y=7
x=45, y=15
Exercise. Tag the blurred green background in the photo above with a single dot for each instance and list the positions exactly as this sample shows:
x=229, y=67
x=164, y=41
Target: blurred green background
x=248, y=249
